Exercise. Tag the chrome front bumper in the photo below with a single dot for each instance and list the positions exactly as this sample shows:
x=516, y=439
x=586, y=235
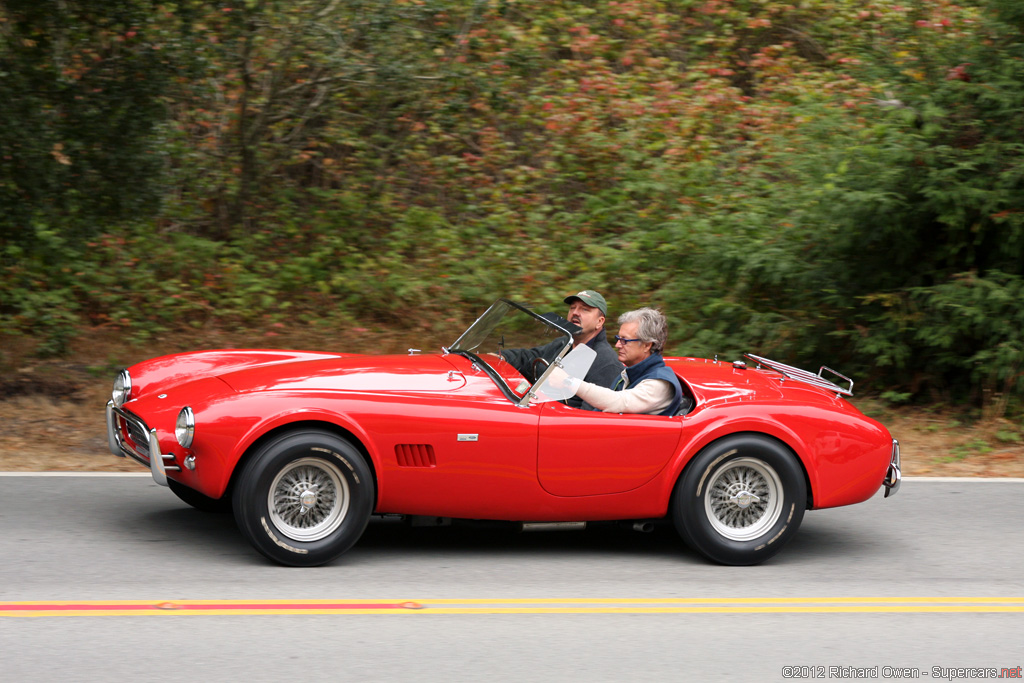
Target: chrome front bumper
x=147, y=454
x=893, y=476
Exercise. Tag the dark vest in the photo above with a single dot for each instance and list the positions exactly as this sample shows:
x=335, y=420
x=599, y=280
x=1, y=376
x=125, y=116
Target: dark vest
x=653, y=367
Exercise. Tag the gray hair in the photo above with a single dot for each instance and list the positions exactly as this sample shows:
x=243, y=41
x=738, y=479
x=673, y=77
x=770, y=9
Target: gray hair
x=651, y=326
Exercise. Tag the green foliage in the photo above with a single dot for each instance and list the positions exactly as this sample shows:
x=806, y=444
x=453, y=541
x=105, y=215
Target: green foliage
x=82, y=83
x=1009, y=436
x=828, y=181
x=971, y=327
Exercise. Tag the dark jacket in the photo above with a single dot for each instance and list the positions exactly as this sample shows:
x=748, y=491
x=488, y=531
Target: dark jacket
x=604, y=372
x=653, y=367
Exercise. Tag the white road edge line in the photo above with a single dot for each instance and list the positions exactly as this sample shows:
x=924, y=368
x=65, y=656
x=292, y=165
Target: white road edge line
x=997, y=480
x=987, y=480
x=75, y=474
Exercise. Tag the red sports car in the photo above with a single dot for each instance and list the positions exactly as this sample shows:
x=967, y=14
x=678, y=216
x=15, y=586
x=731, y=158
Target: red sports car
x=306, y=447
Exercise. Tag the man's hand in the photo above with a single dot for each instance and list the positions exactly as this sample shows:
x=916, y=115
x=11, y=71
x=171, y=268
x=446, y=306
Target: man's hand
x=559, y=379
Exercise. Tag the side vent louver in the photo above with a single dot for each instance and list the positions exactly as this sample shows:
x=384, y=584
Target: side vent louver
x=415, y=455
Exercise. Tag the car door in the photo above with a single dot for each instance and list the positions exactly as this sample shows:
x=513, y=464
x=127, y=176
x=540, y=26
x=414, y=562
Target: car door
x=449, y=457
x=586, y=453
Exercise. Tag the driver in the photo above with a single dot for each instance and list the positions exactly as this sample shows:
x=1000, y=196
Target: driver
x=588, y=310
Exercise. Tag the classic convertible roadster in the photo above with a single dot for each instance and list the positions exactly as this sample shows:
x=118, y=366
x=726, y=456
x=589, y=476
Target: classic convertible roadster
x=305, y=447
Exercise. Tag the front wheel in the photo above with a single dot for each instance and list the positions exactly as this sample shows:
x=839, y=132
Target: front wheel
x=740, y=500
x=304, y=498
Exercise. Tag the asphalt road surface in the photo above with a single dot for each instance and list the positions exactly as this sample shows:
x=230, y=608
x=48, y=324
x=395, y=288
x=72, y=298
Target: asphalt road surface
x=111, y=577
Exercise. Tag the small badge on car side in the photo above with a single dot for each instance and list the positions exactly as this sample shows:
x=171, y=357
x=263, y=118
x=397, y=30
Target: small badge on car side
x=468, y=437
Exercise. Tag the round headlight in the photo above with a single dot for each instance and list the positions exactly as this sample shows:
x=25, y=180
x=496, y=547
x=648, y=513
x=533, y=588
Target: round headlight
x=122, y=388
x=185, y=428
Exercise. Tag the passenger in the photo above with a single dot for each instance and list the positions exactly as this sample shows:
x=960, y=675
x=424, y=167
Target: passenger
x=587, y=310
x=647, y=385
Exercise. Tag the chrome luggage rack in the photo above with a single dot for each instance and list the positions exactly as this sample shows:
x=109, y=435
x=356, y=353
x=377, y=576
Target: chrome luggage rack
x=804, y=376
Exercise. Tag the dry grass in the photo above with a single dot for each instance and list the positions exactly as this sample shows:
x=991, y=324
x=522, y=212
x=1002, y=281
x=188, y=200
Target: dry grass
x=53, y=412
x=939, y=444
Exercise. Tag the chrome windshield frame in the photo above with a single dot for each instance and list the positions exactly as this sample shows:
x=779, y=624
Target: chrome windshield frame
x=476, y=334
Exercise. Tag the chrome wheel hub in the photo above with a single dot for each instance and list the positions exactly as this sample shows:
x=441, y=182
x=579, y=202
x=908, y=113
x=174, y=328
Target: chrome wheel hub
x=743, y=499
x=308, y=499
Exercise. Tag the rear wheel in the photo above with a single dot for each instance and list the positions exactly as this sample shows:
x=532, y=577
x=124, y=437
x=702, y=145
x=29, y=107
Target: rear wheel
x=740, y=500
x=304, y=498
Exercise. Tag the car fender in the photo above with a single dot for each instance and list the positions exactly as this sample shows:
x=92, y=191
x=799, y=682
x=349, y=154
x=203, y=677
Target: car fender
x=229, y=427
x=296, y=417
x=699, y=436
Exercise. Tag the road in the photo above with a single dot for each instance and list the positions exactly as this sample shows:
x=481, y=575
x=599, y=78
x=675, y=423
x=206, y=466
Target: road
x=929, y=578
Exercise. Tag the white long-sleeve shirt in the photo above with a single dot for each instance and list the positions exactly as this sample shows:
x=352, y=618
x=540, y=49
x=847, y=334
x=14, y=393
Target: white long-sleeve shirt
x=650, y=396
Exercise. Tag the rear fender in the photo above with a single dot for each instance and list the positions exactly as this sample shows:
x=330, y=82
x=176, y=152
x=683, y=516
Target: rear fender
x=719, y=430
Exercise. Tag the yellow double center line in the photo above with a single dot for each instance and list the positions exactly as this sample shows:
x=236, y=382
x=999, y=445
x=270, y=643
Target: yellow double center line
x=836, y=605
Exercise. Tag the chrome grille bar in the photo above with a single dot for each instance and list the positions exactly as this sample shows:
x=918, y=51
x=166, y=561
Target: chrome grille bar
x=142, y=442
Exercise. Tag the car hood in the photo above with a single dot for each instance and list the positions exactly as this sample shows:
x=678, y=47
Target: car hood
x=400, y=373
x=167, y=372
x=260, y=370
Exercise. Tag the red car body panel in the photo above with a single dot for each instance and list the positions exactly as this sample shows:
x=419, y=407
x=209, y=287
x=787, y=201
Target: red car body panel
x=444, y=440
x=844, y=453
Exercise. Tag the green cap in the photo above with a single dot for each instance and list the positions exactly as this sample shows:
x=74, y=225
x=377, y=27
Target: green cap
x=590, y=298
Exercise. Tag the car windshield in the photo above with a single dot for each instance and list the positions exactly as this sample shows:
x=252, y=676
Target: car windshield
x=507, y=325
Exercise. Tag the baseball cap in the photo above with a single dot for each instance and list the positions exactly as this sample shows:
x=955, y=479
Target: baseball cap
x=590, y=298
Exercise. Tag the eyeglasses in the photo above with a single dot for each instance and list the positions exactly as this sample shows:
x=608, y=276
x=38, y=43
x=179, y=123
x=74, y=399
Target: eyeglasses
x=624, y=341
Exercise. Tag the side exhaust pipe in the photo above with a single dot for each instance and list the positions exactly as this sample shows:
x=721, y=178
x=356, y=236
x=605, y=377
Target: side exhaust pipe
x=554, y=526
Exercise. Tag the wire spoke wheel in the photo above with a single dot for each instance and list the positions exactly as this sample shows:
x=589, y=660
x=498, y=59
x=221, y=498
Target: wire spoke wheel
x=740, y=499
x=304, y=497
x=309, y=499
x=744, y=499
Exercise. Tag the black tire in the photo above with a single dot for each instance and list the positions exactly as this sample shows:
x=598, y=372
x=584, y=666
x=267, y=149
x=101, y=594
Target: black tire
x=198, y=500
x=740, y=500
x=304, y=498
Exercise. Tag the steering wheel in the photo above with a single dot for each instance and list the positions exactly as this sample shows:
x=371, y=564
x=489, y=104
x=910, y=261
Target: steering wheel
x=533, y=368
